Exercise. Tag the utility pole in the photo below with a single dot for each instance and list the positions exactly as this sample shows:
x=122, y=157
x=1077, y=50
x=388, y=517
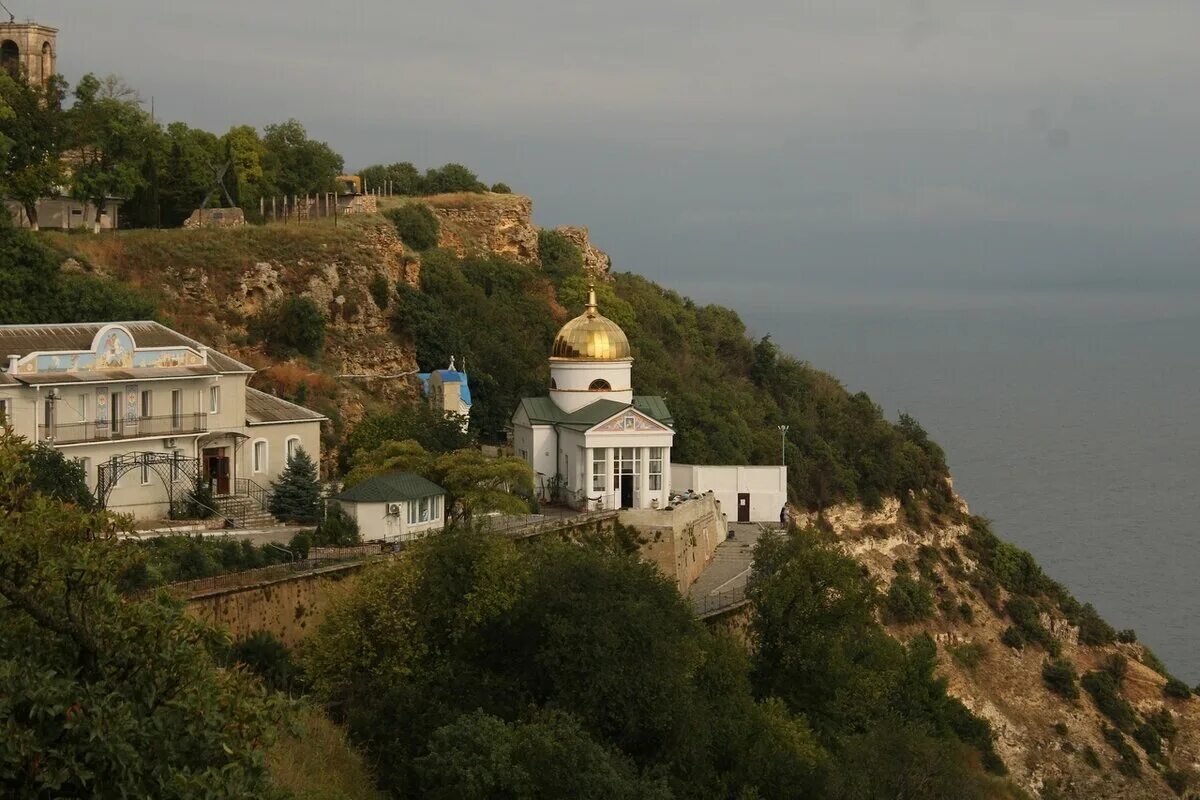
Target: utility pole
x=783, y=429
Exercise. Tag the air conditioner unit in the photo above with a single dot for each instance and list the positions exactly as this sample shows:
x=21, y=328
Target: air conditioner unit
x=394, y=509
x=169, y=444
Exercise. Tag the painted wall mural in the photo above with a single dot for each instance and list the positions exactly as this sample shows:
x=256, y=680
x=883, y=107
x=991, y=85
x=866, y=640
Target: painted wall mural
x=115, y=350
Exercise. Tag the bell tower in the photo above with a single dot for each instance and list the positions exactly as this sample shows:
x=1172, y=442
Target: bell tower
x=29, y=48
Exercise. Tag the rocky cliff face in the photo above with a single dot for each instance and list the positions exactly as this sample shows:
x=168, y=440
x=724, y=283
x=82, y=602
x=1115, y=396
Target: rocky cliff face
x=1046, y=740
x=596, y=262
x=500, y=224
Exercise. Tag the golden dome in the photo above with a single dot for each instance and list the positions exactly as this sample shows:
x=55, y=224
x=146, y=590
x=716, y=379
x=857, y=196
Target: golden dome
x=591, y=337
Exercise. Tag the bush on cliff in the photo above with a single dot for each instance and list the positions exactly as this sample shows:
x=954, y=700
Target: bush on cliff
x=415, y=224
x=294, y=325
x=908, y=600
x=1060, y=677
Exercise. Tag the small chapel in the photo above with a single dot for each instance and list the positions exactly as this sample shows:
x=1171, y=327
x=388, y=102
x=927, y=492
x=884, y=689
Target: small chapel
x=593, y=443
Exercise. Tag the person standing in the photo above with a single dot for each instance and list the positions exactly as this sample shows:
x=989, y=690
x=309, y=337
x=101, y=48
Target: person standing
x=783, y=517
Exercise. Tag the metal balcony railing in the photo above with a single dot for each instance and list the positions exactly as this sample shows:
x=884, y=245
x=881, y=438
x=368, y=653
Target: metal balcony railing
x=171, y=425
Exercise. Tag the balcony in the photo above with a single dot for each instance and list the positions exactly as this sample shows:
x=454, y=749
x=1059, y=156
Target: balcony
x=75, y=432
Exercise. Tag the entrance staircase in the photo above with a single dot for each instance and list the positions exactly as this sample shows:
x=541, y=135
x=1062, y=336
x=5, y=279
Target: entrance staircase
x=245, y=506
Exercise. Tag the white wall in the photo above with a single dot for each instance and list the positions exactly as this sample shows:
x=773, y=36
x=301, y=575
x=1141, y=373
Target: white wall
x=572, y=379
x=375, y=523
x=767, y=487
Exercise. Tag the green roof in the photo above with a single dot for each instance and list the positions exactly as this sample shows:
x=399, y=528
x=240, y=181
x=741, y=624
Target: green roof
x=543, y=411
x=391, y=488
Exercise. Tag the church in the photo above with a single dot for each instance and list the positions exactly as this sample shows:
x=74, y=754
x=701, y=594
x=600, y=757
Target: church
x=591, y=442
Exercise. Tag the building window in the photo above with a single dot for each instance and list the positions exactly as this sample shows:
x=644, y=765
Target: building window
x=83, y=407
x=114, y=412
x=293, y=445
x=86, y=465
x=147, y=404
x=5, y=411
x=176, y=464
x=145, y=469
x=656, y=468
x=177, y=408
x=599, y=385
x=214, y=399
x=553, y=384
x=260, y=456
x=426, y=508
x=599, y=473
x=412, y=512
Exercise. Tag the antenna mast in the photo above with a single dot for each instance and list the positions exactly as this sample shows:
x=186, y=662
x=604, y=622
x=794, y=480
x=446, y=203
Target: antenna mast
x=11, y=17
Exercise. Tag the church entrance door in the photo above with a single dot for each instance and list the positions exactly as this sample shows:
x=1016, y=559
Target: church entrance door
x=626, y=491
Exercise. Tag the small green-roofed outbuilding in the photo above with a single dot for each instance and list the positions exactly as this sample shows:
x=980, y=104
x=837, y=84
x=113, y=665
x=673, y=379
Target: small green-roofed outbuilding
x=395, y=506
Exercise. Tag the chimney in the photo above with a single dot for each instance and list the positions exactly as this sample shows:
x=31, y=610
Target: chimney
x=203, y=354
x=12, y=363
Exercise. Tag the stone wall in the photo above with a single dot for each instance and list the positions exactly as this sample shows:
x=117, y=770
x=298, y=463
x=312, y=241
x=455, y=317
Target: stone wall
x=679, y=541
x=290, y=608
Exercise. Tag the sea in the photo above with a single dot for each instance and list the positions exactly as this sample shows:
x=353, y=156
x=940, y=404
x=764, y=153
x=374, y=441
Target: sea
x=1069, y=418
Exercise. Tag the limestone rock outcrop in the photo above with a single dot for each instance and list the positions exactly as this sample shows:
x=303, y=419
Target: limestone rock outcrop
x=473, y=223
x=596, y=262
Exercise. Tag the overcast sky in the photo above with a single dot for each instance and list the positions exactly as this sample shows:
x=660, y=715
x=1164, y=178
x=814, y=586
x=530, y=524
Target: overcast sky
x=767, y=153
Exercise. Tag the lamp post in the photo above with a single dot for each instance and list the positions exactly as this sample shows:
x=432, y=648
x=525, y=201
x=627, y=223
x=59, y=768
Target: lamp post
x=783, y=429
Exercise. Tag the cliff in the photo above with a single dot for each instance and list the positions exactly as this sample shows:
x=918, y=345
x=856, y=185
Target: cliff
x=1046, y=740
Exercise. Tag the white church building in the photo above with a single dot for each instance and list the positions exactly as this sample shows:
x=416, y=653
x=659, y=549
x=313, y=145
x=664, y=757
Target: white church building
x=591, y=442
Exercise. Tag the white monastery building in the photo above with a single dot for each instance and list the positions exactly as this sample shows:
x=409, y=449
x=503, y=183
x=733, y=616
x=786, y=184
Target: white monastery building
x=147, y=411
x=395, y=506
x=591, y=442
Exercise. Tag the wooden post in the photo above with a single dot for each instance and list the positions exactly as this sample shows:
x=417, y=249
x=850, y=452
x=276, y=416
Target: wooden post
x=274, y=217
x=262, y=211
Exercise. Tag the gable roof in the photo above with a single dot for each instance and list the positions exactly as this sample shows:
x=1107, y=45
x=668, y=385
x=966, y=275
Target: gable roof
x=390, y=487
x=544, y=411
x=264, y=409
x=21, y=340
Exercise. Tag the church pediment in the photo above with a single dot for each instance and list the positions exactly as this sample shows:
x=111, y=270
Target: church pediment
x=630, y=420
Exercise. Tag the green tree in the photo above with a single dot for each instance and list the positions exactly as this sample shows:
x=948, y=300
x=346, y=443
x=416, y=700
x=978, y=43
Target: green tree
x=296, y=493
x=110, y=133
x=415, y=224
x=338, y=529
x=402, y=178
x=480, y=756
x=246, y=150
x=294, y=325
x=501, y=188
x=451, y=178
x=560, y=257
x=36, y=133
x=51, y=473
x=296, y=164
x=103, y=696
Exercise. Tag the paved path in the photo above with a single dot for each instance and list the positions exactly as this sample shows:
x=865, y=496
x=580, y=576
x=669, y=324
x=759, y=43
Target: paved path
x=723, y=582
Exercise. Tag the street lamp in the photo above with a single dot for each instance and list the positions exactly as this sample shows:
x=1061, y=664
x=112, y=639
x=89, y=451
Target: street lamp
x=783, y=429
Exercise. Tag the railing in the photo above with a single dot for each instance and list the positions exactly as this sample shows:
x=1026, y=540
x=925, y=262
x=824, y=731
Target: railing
x=248, y=488
x=107, y=430
x=711, y=604
x=535, y=524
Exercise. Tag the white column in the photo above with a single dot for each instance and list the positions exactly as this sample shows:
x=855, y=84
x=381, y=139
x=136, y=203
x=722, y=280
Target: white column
x=644, y=478
x=587, y=477
x=666, y=476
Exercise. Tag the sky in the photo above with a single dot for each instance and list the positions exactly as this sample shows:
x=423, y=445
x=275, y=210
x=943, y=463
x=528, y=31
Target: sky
x=763, y=154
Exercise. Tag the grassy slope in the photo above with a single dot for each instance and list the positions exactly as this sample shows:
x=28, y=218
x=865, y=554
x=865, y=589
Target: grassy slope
x=316, y=762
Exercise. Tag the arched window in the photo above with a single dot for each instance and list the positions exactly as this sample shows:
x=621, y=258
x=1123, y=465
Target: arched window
x=293, y=445
x=47, y=61
x=599, y=385
x=553, y=384
x=10, y=56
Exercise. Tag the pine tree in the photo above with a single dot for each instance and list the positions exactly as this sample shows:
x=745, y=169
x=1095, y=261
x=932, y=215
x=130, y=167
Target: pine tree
x=296, y=495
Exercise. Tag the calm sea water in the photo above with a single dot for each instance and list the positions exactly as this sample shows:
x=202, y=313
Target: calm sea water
x=1070, y=420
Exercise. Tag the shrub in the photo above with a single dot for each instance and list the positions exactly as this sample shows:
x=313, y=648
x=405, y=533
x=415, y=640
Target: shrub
x=908, y=600
x=1176, y=688
x=1129, y=764
x=1093, y=630
x=559, y=255
x=294, y=325
x=416, y=225
x=969, y=655
x=966, y=612
x=268, y=658
x=1025, y=614
x=197, y=503
x=1164, y=723
x=380, y=289
x=338, y=529
x=1177, y=779
x=1091, y=757
x=451, y=178
x=1060, y=677
x=1105, y=692
x=1013, y=637
x=927, y=559
x=1127, y=636
x=501, y=188
x=53, y=474
x=1146, y=735
x=296, y=494
x=1061, y=728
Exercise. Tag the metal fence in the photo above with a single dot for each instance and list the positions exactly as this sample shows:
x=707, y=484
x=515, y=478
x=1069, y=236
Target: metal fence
x=714, y=603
